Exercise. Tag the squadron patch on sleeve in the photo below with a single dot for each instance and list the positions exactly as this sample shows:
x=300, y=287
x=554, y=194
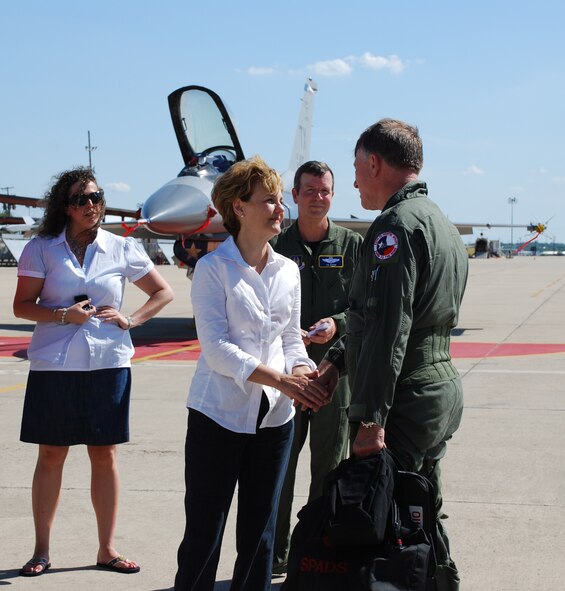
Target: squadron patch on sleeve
x=386, y=245
x=297, y=258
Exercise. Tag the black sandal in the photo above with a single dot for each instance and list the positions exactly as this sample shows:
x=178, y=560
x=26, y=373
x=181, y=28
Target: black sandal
x=43, y=562
x=111, y=565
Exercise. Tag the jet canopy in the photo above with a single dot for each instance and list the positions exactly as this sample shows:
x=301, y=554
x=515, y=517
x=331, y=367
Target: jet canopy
x=205, y=133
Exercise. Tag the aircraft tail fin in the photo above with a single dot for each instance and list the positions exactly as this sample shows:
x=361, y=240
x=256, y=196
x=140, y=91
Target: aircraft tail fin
x=301, y=147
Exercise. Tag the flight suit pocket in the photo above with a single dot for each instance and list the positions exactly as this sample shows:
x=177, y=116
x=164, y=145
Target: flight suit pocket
x=372, y=299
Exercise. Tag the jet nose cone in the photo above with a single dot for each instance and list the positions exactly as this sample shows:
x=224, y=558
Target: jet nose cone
x=181, y=206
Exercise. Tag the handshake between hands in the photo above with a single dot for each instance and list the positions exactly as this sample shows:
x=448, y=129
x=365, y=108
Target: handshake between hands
x=313, y=389
x=317, y=391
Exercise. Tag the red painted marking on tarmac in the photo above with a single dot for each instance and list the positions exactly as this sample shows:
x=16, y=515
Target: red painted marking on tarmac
x=189, y=350
x=14, y=347
x=145, y=349
x=172, y=350
x=480, y=350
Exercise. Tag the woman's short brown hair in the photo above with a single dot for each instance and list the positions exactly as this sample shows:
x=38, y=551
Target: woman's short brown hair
x=239, y=182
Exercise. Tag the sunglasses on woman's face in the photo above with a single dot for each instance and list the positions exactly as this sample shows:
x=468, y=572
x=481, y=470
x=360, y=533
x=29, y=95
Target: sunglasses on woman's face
x=81, y=200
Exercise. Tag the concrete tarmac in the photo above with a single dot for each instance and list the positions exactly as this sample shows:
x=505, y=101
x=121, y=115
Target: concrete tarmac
x=504, y=475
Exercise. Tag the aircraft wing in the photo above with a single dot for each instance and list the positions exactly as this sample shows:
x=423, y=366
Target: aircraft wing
x=470, y=228
x=29, y=225
x=465, y=229
x=36, y=202
x=357, y=225
x=18, y=200
x=362, y=225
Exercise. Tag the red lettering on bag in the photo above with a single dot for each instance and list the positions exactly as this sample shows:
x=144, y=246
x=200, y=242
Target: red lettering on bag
x=326, y=567
x=342, y=568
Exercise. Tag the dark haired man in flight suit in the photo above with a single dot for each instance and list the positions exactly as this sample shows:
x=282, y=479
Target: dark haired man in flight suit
x=326, y=255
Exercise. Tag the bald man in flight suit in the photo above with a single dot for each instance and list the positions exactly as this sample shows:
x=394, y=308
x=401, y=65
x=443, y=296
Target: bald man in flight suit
x=404, y=300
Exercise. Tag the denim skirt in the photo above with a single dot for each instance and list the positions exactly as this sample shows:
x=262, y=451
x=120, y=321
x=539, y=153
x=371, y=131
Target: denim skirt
x=77, y=407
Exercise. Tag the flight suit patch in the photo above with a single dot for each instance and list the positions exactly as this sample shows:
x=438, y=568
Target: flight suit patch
x=297, y=258
x=385, y=246
x=334, y=261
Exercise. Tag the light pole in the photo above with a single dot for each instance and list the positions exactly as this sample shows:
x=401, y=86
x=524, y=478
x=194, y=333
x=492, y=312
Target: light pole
x=512, y=201
x=90, y=149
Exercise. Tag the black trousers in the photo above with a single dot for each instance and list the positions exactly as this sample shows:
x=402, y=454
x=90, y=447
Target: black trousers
x=216, y=459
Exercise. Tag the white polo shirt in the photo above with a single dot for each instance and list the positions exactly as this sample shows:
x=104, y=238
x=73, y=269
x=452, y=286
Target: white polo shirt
x=107, y=262
x=243, y=319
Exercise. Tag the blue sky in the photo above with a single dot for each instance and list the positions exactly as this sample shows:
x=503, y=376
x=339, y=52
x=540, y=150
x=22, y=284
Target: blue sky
x=483, y=81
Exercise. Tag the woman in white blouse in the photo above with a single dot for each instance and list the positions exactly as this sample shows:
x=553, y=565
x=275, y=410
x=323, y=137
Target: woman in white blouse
x=253, y=366
x=71, y=280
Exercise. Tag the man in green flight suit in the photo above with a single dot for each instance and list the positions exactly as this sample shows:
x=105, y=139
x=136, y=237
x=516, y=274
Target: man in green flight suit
x=404, y=301
x=326, y=255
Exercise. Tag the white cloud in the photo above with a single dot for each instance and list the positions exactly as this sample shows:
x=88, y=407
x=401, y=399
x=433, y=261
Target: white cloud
x=260, y=71
x=543, y=170
x=341, y=66
x=120, y=187
x=378, y=62
x=474, y=169
x=558, y=180
x=337, y=67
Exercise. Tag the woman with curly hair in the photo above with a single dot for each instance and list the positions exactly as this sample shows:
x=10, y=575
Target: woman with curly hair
x=71, y=280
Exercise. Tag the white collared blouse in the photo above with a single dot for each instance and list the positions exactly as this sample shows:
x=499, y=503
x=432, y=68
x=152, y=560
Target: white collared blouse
x=244, y=318
x=108, y=261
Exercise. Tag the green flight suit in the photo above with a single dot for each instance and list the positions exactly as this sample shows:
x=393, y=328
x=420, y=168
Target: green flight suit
x=404, y=301
x=325, y=276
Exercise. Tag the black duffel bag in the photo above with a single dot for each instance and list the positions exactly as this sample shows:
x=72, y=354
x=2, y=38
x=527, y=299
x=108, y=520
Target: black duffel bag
x=403, y=559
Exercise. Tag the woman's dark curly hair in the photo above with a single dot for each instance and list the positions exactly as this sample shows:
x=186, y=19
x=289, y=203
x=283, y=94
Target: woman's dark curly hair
x=56, y=199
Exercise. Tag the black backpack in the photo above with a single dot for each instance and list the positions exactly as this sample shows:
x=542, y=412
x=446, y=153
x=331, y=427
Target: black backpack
x=373, y=529
x=359, y=495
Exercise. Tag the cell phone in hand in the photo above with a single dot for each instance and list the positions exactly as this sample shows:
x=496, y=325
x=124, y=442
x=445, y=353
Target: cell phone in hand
x=81, y=298
x=318, y=329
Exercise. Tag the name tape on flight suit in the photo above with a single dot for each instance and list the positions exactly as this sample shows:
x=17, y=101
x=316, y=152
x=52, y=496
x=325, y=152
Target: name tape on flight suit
x=325, y=261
